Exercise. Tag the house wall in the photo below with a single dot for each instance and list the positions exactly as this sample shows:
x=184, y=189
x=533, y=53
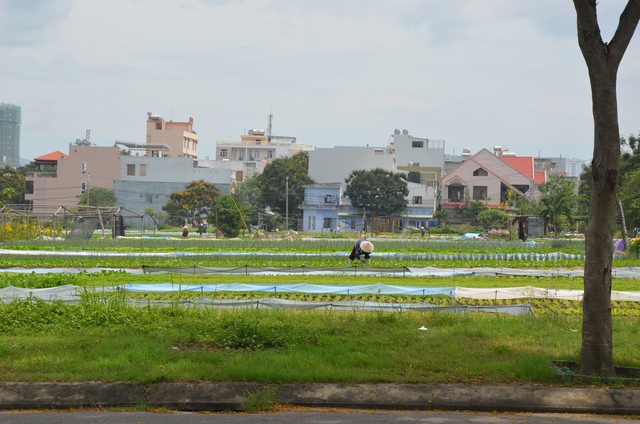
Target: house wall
x=86, y=166
x=138, y=196
x=497, y=171
x=162, y=176
x=320, y=202
x=419, y=152
x=333, y=165
x=253, y=152
x=179, y=136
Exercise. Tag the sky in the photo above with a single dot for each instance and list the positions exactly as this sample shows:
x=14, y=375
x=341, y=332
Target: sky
x=475, y=73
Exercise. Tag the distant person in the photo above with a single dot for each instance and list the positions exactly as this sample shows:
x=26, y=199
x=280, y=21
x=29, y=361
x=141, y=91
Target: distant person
x=201, y=229
x=363, y=247
x=422, y=230
x=185, y=231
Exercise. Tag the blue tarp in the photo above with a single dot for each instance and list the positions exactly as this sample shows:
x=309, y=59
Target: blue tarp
x=290, y=288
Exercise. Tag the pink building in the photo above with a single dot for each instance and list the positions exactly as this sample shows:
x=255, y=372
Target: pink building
x=178, y=137
x=86, y=166
x=488, y=178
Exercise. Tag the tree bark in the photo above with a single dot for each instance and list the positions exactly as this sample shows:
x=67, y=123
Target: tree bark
x=602, y=61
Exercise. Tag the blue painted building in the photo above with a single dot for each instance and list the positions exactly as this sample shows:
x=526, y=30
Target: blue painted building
x=320, y=207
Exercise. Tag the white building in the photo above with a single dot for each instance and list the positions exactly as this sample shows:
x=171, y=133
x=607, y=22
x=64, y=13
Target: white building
x=147, y=182
x=420, y=156
x=333, y=165
x=257, y=149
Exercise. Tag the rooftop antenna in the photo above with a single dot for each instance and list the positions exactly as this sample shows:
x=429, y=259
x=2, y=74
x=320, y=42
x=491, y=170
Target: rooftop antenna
x=269, y=128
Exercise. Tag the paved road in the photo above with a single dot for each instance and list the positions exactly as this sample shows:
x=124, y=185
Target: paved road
x=295, y=416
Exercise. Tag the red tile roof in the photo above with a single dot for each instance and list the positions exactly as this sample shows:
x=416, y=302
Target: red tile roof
x=53, y=156
x=523, y=164
x=540, y=177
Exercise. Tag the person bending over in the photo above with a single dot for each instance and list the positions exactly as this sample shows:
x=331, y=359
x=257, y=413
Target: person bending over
x=362, y=249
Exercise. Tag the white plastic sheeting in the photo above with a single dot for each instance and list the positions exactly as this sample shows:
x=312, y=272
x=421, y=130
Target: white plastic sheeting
x=626, y=272
x=426, y=256
x=292, y=288
x=71, y=292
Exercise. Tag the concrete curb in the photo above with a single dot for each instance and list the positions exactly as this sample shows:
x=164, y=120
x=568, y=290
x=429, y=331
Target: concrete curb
x=234, y=396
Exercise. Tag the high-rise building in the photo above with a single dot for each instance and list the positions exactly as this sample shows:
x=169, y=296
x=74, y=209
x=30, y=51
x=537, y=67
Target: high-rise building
x=10, y=118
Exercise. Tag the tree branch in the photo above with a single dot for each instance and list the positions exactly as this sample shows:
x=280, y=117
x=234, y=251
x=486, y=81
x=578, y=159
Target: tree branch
x=626, y=27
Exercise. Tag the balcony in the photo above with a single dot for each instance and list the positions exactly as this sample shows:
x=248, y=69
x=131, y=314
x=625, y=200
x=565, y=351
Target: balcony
x=326, y=206
x=41, y=175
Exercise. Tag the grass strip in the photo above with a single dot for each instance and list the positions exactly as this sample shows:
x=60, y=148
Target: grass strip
x=107, y=340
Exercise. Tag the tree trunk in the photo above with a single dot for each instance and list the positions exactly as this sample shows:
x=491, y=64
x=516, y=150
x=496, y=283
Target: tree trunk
x=602, y=61
x=623, y=225
x=597, y=340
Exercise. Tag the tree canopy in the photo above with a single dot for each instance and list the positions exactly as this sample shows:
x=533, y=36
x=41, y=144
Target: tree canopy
x=377, y=191
x=248, y=195
x=493, y=219
x=97, y=196
x=558, y=201
x=197, y=200
x=227, y=217
x=273, y=181
x=10, y=178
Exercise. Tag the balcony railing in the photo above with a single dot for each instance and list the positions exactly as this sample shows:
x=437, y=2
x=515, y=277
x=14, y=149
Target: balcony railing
x=42, y=174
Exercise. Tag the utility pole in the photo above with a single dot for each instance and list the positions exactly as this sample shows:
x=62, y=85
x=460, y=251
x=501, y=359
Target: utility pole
x=88, y=180
x=286, y=207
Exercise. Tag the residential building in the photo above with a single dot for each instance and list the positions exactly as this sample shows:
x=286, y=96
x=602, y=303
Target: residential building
x=422, y=155
x=421, y=205
x=10, y=120
x=49, y=162
x=85, y=166
x=333, y=165
x=569, y=167
x=257, y=149
x=147, y=182
x=320, y=207
x=406, y=154
x=488, y=178
x=241, y=169
x=168, y=138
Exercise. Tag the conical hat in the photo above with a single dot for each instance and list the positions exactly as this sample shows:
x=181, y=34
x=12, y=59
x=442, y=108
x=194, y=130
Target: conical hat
x=366, y=246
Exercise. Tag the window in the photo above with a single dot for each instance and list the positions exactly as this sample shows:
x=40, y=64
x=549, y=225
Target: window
x=143, y=170
x=480, y=173
x=326, y=223
x=328, y=198
x=417, y=200
x=83, y=168
x=131, y=169
x=479, y=192
x=270, y=154
x=353, y=224
x=83, y=188
x=417, y=144
x=311, y=222
x=223, y=153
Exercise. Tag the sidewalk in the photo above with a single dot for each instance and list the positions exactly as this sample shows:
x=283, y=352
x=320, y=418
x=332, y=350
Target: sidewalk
x=232, y=396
